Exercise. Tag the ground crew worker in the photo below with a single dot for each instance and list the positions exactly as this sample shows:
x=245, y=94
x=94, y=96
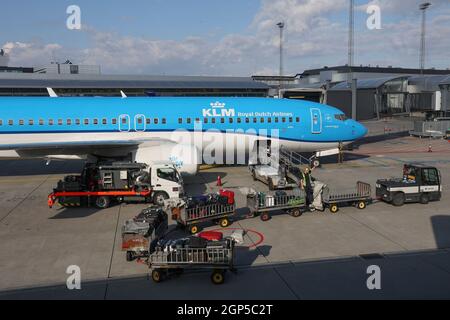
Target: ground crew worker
x=306, y=185
x=341, y=153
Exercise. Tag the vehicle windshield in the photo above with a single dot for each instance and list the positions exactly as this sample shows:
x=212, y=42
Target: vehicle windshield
x=168, y=174
x=341, y=117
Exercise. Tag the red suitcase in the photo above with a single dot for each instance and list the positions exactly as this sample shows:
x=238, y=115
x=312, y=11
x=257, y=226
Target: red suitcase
x=211, y=235
x=228, y=194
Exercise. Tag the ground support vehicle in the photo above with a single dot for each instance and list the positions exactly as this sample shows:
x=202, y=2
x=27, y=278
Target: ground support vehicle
x=141, y=234
x=262, y=204
x=192, y=218
x=101, y=184
x=360, y=197
x=217, y=257
x=275, y=178
x=420, y=183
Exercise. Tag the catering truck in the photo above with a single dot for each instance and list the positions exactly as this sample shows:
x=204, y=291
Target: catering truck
x=103, y=183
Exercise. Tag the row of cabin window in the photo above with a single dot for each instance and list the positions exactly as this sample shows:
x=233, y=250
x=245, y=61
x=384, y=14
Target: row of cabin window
x=239, y=120
x=148, y=121
x=78, y=122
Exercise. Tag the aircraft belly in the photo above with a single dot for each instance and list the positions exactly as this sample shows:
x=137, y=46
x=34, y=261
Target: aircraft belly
x=241, y=142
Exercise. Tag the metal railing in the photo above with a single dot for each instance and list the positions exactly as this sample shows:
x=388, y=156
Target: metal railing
x=207, y=211
x=257, y=203
x=202, y=256
x=430, y=128
x=363, y=190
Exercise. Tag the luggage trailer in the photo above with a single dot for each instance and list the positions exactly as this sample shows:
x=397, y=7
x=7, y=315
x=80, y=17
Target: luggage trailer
x=162, y=263
x=287, y=203
x=191, y=218
x=102, y=199
x=359, y=197
x=137, y=245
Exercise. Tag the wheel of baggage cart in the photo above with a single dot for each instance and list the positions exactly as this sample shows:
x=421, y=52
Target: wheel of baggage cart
x=334, y=208
x=218, y=277
x=361, y=205
x=193, y=229
x=157, y=275
x=296, y=213
x=130, y=256
x=102, y=202
x=224, y=222
x=399, y=199
x=265, y=216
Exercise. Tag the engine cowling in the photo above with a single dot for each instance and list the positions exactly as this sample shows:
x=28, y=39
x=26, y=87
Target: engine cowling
x=184, y=157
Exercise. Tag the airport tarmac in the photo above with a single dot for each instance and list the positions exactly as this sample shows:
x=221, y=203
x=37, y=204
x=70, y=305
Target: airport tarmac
x=318, y=255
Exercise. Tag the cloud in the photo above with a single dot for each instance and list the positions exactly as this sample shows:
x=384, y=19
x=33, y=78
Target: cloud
x=316, y=35
x=26, y=54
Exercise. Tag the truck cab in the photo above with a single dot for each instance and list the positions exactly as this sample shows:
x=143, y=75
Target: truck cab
x=419, y=183
x=165, y=181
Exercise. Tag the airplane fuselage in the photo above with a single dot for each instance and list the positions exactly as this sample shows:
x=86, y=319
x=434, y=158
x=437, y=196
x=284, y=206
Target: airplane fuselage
x=299, y=125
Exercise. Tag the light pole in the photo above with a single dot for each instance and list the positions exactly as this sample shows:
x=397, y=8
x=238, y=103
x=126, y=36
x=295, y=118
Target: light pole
x=423, y=7
x=281, y=26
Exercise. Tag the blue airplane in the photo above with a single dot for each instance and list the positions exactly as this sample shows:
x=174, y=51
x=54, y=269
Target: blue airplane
x=181, y=130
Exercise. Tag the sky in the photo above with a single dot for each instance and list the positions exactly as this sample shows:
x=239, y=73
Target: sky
x=226, y=38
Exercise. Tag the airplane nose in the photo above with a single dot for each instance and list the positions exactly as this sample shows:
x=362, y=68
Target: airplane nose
x=358, y=129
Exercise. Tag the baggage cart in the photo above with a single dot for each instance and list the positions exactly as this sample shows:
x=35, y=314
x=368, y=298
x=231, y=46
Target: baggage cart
x=360, y=197
x=191, y=218
x=263, y=205
x=219, y=259
x=140, y=238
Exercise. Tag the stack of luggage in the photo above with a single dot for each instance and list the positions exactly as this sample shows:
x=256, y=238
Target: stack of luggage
x=224, y=197
x=178, y=250
x=143, y=232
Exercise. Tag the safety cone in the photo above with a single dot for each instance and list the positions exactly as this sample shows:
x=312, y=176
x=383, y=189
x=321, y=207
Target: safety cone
x=219, y=181
x=430, y=149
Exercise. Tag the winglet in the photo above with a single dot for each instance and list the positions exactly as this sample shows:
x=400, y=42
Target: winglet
x=52, y=93
x=123, y=94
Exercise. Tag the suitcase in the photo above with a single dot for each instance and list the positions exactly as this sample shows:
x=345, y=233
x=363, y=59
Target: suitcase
x=270, y=201
x=211, y=235
x=195, y=242
x=229, y=194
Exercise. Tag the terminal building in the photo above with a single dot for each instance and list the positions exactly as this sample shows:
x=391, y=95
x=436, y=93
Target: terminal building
x=20, y=84
x=380, y=91
x=68, y=79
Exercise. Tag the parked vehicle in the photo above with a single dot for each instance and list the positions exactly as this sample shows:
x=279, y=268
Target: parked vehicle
x=192, y=253
x=102, y=183
x=191, y=214
x=263, y=204
x=275, y=178
x=360, y=197
x=420, y=183
x=141, y=234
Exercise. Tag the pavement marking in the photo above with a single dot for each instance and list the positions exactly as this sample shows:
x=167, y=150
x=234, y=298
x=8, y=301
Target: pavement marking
x=114, y=242
x=375, y=231
x=23, y=200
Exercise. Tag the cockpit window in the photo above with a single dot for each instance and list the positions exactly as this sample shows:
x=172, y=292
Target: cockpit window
x=340, y=117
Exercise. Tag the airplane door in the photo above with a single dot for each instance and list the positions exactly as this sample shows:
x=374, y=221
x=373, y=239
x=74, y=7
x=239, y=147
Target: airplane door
x=316, y=121
x=139, y=123
x=124, y=123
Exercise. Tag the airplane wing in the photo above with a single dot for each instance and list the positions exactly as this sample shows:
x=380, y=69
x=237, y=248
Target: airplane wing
x=80, y=147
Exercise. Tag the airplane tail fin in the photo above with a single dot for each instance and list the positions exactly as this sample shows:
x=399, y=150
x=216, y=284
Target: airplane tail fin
x=123, y=94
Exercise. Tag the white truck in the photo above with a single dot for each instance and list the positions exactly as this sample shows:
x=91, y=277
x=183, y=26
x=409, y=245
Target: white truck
x=102, y=183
